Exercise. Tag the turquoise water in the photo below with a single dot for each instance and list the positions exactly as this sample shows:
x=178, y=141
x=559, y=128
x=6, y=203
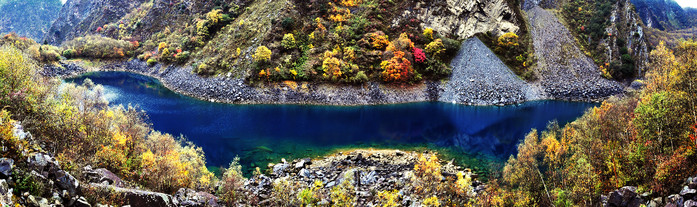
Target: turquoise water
x=260, y=134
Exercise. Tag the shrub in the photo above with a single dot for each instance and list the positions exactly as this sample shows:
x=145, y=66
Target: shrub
x=310, y=196
x=431, y=202
x=288, y=41
x=182, y=57
x=397, y=69
x=169, y=164
x=343, y=194
x=360, y=77
x=230, y=188
x=419, y=55
x=151, y=62
x=262, y=54
x=378, y=40
x=435, y=48
x=428, y=33
x=508, y=40
x=388, y=198
x=69, y=53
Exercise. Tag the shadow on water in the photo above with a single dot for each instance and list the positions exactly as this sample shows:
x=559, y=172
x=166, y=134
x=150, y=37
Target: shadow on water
x=260, y=134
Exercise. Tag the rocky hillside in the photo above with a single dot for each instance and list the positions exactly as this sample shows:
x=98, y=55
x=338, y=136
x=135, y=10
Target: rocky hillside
x=80, y=17
x=610, y=32
x=563, y=69
x=29, y=18
x=220, y=37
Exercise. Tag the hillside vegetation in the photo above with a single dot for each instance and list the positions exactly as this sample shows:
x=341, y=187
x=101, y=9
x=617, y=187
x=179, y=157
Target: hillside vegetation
x=646, y=139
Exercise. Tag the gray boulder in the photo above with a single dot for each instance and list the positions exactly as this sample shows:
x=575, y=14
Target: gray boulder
x=135, y=197
x=688, y=193
x=6, y=167
x=674, y=201
x=102, y=176
x=625, y=196
x=191, y=198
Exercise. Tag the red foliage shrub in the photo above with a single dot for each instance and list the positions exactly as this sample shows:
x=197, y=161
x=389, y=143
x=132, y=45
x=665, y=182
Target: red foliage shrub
x=419, y=55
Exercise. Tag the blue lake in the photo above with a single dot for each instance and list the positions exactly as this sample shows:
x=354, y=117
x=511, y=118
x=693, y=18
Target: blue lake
x=259, y=134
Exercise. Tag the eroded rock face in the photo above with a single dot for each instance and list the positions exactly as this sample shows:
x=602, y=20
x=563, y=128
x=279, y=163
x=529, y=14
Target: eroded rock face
x=464, y=18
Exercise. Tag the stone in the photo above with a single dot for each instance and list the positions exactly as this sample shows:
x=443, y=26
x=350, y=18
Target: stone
x=4, y=187
x=625, y=196
x=102, y=175
x=36, y=201
x=688, y=193
x=191, y=198
x=6, y=167
x=674, y=201
x=303, y=162
x=279, y=169
x=136, y=197
x=305, y=173
x=67, y=182
x=82, y=202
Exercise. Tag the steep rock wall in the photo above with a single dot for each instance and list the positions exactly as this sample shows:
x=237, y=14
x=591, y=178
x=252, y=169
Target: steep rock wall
x=464, y=18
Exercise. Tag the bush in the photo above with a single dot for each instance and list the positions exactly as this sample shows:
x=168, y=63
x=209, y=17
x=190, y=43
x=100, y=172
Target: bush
x=230, y=188
x=151, y=62
x=435, y=48
x=397, y=69
x=262, y=54
x=69, y=53
x=288, y=41
x=182, y=57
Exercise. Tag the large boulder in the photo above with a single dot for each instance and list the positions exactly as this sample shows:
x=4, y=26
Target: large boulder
x=688, y=193
x=191, y=198
x=134, y=197
x=102, y=176
x=625, y=196
x=47, y=167
x=674, y=201
x=6, y=167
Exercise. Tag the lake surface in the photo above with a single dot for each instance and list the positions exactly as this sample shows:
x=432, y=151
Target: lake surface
x=260, y=134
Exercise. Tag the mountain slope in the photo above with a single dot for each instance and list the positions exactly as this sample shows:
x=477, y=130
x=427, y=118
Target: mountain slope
x=30, y=18
x=79, y=17
x=665, y=15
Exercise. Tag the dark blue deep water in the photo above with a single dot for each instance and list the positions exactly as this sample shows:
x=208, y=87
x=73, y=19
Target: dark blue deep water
x=259, y=134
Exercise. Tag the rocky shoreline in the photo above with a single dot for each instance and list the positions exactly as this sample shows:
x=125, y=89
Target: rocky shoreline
x=478, y=78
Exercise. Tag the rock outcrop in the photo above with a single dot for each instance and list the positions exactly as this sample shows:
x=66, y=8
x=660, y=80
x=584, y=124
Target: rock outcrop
x=464, y=18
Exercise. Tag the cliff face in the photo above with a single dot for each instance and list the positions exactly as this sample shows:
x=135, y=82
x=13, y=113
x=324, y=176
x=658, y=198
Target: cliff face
x=30, y=18
x=628, y=32
x=80, y=17
x=464, y=18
